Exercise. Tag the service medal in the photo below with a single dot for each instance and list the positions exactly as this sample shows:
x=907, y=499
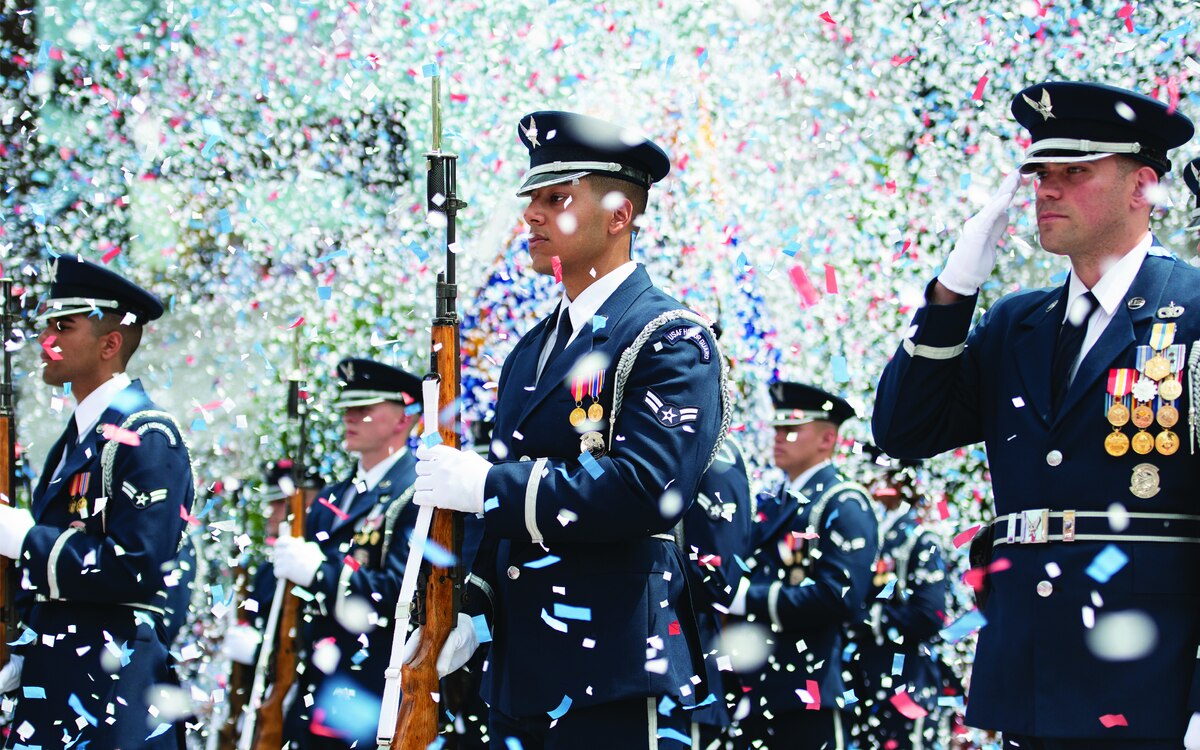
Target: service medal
x=1166, y=443
x=1142, y=443
x=592, y=442
x=1145, y=389
x=1116, y=443
x=1118, y=414
x=1144, y=482
x=595, y=412
x=1143, y=416
x=1157, y=367
x=577, y=416
x=1167, y=417
x=1170, y=389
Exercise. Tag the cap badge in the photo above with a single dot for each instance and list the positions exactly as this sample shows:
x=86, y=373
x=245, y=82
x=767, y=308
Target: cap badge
x=52, y=272
x=1043, y=107
x=348, y=371
x=531, y=132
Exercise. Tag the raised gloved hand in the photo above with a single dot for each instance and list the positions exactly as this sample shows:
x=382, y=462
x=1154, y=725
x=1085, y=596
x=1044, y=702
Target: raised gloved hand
x=1191, y=740
x=10, y=676
x=974, y=255
x=450, y=478
x=458, y=649
x=15, y=524
x=241, y=643
x=297, y=560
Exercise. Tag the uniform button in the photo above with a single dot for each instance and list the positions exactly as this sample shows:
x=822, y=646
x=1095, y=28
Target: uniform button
x=526, y=458
x=514, y=572
x=1045, y=588
x=1054, y=458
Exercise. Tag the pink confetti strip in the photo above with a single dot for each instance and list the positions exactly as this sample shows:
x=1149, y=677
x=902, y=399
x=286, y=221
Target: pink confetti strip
x=903, y=703
x=979, y=87
x=1113, y=720
x=121, y=435
x=341, y=514
x=809, y=295
x=966, y=536
x=556, y=264
x=831, y=286
x=49, y=342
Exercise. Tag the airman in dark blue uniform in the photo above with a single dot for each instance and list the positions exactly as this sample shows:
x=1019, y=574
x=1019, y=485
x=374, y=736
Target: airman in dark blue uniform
x=815, y=543
x=716, y=540
x=1084, y=397
x=1191, y=176
x=898, y=675
x=608, y=413
x=351, y=561
x=107, y=516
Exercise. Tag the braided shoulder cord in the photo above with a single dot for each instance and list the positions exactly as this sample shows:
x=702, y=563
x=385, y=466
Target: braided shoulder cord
x=108, y=454
x=630, y=355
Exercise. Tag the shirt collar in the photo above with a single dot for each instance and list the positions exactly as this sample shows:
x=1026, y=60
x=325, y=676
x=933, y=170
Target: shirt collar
x=589, y=301
x=88, y=412
x=1111, y=288
x=373, y=476
x=798, y=483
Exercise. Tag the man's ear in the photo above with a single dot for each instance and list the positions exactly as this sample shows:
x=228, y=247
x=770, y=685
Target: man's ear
x=1145, y=178
x=622, y=217
x=110, y=344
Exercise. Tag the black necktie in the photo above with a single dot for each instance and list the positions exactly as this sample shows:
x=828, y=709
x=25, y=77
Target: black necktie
x=69, y=439
x=561, y=337
x=1070, y=341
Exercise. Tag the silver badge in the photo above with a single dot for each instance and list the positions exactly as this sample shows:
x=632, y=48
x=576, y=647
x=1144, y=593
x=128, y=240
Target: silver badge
x=531, y=132
x=592, y=442
x=1170, y=312
x=1043, y=107
x=1144, y=482
x=1135, y=303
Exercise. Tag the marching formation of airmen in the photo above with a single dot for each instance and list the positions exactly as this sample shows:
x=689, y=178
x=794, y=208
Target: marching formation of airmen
x=623, y=586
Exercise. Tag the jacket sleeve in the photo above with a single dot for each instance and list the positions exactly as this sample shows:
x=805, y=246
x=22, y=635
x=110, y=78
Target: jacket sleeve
x=649, y=475
x=716, y=530
x=151, y=485
x=928, y=396
x=839, y=577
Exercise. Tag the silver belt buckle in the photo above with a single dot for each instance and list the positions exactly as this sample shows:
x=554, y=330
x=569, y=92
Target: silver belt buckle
x=1035, y=525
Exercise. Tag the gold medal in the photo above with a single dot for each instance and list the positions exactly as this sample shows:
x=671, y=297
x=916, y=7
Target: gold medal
x=577, y=416
x=1167, y=417
x=1142, y=443
x=596, y=412
x=1143, y=416
x=1166, y=443
x=1116, y=443
x=1157, y=367
x=1118, y=415
x=1170, y=389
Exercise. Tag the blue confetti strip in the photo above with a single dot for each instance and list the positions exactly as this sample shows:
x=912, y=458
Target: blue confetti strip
x=27, y=636
x=77, y=706
x=491, y=504
x=543, y=562
x=431, y=439
x=1107, y=563
x=589, y=465
x=482, y=632
x=563, y=707
x=886, y=592
x=672, y=734
x=158, y=730
x=964, y=626
x=438, y=556
x=599, y=321
x=568, y=612
x=33, y=691
x=849, y=698
x=897, y=663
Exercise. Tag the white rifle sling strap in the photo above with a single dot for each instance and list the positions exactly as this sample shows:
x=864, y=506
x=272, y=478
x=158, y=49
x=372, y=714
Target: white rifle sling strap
x=408, y=588
x=629, y=358
x=258, y=688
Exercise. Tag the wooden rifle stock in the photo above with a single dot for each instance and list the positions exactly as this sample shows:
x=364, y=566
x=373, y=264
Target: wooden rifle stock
x=417, y=719
x=8, y=453
x=237, y=689
x=270, y=714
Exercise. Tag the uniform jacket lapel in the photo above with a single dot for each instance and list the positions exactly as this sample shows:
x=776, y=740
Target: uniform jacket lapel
x=1034, y=345
x=1127, y=327
x=588, y=339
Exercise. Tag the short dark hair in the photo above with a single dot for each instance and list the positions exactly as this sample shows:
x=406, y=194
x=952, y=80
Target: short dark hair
x=131, y=334
x=602, y=185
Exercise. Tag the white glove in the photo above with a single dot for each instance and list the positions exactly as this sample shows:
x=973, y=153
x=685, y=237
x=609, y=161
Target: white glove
x=10, y=676
x=241, y=643
x=738, y=605
x=460, y=645
x=1191, y=740
x=974, y=255
x=450, y=478
x=297, y=560
x=15, y=524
